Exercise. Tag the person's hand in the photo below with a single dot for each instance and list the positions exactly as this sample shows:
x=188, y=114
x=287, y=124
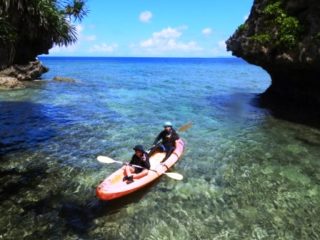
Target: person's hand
x=162, y=169
x=164, y=165
x=152, y=147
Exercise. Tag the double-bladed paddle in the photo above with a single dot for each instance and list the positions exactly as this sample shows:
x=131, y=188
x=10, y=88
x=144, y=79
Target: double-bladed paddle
x=104, y=159
x=185, y=127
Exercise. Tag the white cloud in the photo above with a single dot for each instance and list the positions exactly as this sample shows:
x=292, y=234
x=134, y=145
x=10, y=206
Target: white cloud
x=220, y=50
x=63, y=49
x=82, y=37
x=71, y=48
x=246, y=17
x=90, y=38
x=74, y=47
x=207, y=31
x=167, y=33
x=168, y=41
x=79, y=29
x=145, y=16
x=104, y=48
x=222, y=44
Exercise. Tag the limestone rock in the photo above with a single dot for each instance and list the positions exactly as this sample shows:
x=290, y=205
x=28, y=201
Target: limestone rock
x=283, y=37
x=10, y=83
x=25, y=72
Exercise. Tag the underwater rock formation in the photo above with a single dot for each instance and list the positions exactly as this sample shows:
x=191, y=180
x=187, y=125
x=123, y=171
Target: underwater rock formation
x=63, y=79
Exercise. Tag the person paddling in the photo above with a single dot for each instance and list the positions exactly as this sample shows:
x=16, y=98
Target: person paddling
x=140, y=158
x=168, y=139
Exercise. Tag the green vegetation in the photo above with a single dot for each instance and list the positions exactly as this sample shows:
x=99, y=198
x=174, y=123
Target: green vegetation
x=273, y=8
x=38, y=25
x=317, y=36
x=261, y=38
x=7, y=32
x=281, y=29
x=242, y=27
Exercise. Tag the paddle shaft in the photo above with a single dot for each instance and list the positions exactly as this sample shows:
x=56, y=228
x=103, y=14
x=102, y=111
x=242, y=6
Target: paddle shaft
x=133, y=165
x=175, y=176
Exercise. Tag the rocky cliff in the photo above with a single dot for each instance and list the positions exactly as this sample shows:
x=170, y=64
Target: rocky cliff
x=31, y=28
x=283, y=37
x=14, y=76
x=13, y=71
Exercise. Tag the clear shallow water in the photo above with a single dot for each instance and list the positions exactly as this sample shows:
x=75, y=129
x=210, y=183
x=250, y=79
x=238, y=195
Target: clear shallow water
x=247, y=175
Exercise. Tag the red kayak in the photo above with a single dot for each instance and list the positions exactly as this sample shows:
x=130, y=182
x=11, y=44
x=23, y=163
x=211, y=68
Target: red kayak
x=114, y=187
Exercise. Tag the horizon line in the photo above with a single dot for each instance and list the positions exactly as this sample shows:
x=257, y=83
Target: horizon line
x=42, y=56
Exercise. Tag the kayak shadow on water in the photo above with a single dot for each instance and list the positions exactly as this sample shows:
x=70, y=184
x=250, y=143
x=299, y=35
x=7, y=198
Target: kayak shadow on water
x=79, y=218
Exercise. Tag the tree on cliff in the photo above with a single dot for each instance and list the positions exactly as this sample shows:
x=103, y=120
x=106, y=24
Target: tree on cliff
x=31, y=27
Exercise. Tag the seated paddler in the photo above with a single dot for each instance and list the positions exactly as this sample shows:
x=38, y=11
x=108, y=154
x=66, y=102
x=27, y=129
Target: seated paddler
x=165, y=141
x=138, y=166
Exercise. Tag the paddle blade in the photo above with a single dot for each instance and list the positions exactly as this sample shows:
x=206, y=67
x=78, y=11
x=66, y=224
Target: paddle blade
x=104, y=159
x=175, y=176
x=185, y=127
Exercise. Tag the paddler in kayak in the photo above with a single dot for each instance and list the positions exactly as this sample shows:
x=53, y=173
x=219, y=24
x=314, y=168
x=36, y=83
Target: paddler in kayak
x=168, y=139
x=139, y=158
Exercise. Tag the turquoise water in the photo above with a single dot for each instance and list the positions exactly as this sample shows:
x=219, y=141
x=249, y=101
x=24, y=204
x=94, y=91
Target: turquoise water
x=247, y=174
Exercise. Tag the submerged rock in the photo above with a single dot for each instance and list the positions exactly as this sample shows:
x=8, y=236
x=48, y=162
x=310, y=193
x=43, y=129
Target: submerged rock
x=10, y=83
x=283, y=37
x=64, y=79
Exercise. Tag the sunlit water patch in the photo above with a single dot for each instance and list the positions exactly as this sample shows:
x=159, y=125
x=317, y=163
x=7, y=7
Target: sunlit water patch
x=247, y=175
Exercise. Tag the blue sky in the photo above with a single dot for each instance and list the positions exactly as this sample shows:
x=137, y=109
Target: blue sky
x=157, y=28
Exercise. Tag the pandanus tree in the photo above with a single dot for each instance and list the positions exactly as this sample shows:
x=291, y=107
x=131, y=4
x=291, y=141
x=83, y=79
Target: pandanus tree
x=31, y=27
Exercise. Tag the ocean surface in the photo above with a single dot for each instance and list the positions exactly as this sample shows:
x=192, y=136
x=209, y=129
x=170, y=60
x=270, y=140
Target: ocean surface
x=247, y=174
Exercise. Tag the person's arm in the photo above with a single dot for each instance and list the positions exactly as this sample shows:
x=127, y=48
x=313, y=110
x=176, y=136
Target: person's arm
x=175, y=136
x=132, y=159
x=144, y=162
x=146, y=165
x=141, y=174
x=147, y=162
x=157, y=138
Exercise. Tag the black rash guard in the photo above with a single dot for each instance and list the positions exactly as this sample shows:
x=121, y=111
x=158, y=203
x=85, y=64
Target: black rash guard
x=168, y=138
x=143, y=162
